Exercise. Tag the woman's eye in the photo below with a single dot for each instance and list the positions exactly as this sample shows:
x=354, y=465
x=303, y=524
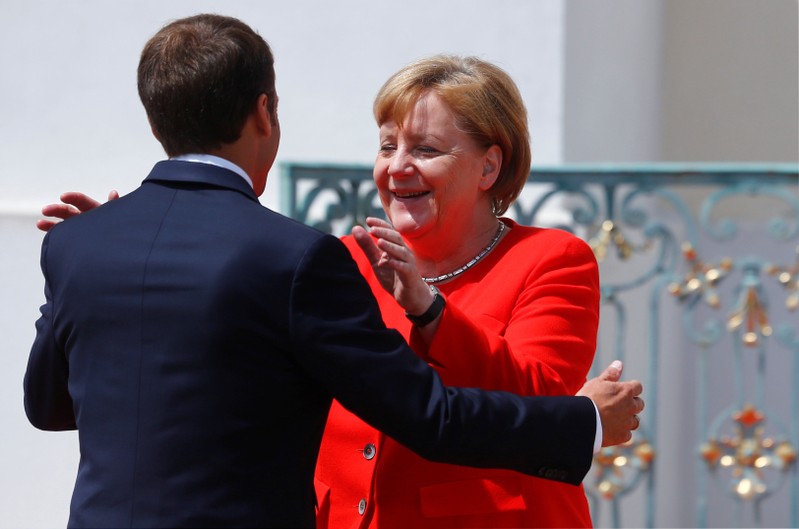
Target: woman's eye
x=424, y=149
x=387, y=148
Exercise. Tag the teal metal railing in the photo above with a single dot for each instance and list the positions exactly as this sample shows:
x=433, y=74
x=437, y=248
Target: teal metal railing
x=699, y=268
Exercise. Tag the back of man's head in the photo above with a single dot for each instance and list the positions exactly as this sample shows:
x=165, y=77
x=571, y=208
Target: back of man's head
x=199, y=78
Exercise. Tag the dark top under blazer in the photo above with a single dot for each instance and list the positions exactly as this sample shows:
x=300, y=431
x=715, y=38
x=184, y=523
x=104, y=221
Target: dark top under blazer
x=195, y=339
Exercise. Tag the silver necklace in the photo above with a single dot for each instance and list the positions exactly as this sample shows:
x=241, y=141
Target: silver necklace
x=474, y=261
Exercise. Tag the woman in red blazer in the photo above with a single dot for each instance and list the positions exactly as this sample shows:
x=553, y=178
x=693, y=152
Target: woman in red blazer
x=488, y=302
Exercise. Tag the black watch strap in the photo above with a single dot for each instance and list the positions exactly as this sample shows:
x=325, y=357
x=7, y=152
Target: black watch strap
x=432, y=312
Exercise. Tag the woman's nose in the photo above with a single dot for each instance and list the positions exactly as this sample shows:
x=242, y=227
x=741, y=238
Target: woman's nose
x=400, y=163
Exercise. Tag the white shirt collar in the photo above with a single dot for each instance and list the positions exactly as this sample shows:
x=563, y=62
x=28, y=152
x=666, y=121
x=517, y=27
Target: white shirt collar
x=214, y=160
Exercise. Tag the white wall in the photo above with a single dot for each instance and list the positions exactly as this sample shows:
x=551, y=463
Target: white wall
x=72, y=119
x=36, y=468
x=681, y=80
x=612, y=87
x=731, y=81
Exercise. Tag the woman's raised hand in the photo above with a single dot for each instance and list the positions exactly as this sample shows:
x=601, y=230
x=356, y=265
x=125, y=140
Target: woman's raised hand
x=72, y=203
x=394, y=264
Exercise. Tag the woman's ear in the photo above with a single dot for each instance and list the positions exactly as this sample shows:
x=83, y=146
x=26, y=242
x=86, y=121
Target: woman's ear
x=492, y=163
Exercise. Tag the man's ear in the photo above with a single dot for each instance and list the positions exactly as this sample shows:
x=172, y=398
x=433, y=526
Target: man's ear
x=492, y=163
x=153, y=129
x=263, y=118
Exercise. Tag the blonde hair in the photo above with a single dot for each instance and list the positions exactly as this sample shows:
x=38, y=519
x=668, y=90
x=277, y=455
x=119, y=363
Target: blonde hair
x=487, y=106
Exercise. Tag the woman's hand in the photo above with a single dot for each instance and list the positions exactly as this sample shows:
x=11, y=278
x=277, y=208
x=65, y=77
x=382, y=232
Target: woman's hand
x=394, y=265
x=72, y=203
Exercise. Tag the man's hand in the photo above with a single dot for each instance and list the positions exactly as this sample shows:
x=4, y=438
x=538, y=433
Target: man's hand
x=618, y=403
x=72, y=203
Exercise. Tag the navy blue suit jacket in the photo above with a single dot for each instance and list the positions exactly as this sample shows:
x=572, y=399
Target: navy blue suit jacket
x=195, y=339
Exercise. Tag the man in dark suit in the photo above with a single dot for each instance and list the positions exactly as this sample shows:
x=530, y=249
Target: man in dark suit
x=195, y=339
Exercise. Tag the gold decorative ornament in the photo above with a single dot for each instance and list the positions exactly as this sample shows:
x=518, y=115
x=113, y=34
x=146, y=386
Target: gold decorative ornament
x=788, y=277
x=701, y=278
x=748, y=454
x=618, y=467
x=610, y=235
x=750, y=314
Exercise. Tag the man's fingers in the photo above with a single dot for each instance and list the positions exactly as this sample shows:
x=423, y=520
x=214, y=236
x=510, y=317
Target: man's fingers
x=612, y=373
x=621, y=437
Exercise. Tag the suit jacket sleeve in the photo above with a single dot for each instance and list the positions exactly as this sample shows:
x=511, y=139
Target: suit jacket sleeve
x=340, y=339
x=47, y=401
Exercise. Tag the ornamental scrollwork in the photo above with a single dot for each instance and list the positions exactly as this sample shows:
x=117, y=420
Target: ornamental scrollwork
x=747, y=453
x=617, y=469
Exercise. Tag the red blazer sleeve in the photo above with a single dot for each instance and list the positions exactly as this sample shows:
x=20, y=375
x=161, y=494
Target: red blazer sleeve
x=533, y=328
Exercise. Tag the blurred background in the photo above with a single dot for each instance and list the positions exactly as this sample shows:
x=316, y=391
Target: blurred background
x=632, y=82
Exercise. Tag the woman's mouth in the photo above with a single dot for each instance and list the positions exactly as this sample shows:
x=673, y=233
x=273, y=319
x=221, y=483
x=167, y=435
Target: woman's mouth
x=409, y=194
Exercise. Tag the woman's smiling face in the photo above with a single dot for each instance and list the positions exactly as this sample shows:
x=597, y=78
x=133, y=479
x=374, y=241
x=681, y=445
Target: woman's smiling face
x=429, y=174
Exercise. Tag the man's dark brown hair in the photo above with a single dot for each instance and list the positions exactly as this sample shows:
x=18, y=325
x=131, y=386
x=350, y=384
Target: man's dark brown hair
x=200, y=77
